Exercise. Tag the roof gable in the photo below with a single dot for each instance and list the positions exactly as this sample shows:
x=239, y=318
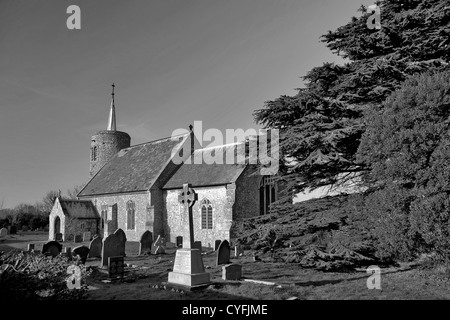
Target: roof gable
x=133, y=169
x=78, y=208
x=206, y=173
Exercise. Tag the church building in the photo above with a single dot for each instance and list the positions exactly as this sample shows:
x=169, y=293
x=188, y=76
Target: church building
x=136, y=188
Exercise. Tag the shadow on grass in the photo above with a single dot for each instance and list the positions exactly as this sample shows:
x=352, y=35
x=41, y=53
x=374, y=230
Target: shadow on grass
x=326, y=282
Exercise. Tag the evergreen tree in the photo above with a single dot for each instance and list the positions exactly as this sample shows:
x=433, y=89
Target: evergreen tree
x=322, y=125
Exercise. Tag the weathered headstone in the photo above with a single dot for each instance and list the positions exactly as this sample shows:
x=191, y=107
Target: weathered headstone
x=81, y=251
x=115, y=266
x=86, y=236
x=58, y=237
x=198, y=245
x=145, y=246
x=95, y=248
x=3, y=232
x=217, y=244
x=238, y=250
x=30, y=247
x=159, y=246
x=52, y=248
x=78, y=238
x=188, y=268
x=179, y=241
x=122, y=238
x=231, y=272
x=223, y=253
x=113, y=246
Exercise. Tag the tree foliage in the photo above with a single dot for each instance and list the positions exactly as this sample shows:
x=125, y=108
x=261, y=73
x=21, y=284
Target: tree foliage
x=322, y=125
x=407, y=147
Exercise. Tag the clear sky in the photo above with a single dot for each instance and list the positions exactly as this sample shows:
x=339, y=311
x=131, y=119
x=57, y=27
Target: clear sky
x=173, y=62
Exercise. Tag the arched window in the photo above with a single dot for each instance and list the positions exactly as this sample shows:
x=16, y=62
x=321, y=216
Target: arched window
x=104, y=214
x=130, y=215
x=207, y=220
x=267, y=194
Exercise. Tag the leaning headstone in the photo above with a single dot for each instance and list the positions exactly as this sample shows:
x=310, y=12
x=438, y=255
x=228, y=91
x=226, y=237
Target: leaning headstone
x=30, y=247
x=223, y=253
x=179, y=241
x=3, y=232
x=232, y=272
x=145, y=246
x=81, y=251
x=115, y=267
x=113, y=246
x=95, y=248
x=86, y=236
x=122, y=239
x=78, y=238
x=217, y=244
x=159, y=246
x=52, y=248
x=58, y=237
x=197, y=245
x=238, y=250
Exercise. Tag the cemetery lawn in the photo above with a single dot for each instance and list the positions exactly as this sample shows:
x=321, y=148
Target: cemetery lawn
x=143, y=273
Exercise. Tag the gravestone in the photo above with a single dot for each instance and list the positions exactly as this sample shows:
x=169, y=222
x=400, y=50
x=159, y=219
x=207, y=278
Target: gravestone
x=217, y=244
x=82, y=251
x=30, y=247
x=115, y=267
x=12, y=230
x=95, y=248
x=113, y=246
x=67, y=252
x=58, y=237
x=232, y=272
x=223, y=253
x=122, y=239
x=78, y=238
x=198, y=245
x=188, y=268
x=159, y=246
x=3, y=232
x=86, y=236
x=179, y=241
x=145, y=245
x=238, y=250
x=52, y=248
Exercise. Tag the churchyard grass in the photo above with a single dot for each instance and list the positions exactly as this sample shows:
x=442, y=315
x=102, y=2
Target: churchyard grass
x=143, y=273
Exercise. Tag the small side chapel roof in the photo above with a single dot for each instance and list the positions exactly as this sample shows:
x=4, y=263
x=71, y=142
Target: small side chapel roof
x=78, y=208
x=204, y=173
x=132, y=169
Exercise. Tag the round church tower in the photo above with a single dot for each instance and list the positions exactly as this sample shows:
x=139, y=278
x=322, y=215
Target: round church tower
x=106, y=143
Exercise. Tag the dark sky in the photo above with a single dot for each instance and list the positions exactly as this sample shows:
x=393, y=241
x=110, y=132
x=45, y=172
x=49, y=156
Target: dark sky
x=173, y=62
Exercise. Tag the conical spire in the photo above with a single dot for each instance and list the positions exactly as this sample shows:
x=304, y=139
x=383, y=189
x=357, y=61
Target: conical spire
x=112, y=113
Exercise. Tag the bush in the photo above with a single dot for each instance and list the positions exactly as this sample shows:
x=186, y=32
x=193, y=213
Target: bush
x=29, y=276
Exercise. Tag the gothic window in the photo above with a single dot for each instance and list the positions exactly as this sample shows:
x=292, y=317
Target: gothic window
x=267, y=194
x=207, y=220
x=82, y=226
x=94, y=154
x=130, y=215
x=104, y=210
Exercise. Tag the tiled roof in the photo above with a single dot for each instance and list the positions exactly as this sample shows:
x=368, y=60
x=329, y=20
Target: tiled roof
x=132, y=169
x=78, y=208
x=205, y=174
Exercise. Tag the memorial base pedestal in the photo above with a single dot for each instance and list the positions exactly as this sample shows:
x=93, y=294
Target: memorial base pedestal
x=188, y=269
